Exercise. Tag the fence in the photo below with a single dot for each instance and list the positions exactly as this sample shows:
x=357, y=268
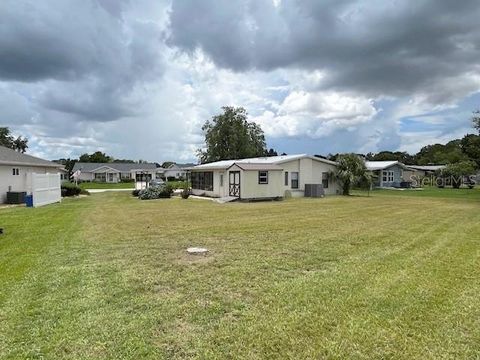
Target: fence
x=45, y=189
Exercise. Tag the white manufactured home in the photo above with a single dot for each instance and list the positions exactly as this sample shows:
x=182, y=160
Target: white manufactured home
x=17, y=172
x=116, y=172
x=263, y=178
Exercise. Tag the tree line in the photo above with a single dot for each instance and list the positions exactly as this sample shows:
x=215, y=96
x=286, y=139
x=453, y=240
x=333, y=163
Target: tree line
x=458, y=150
x=230, y=136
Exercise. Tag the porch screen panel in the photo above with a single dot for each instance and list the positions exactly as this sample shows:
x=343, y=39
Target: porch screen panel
x=202, y=180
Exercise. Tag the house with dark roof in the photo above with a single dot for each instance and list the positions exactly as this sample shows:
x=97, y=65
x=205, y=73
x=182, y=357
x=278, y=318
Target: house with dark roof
x=116, y=172
x=16, y=170
x=177, y=171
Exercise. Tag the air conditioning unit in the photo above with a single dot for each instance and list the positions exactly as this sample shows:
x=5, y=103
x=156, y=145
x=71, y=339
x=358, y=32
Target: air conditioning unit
x=314, y=190
x=16, y=197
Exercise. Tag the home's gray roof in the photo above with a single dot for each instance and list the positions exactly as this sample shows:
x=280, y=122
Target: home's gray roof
x=120, y=167
x=12, y=157
x=183, y=166
x=225, y=164
x=380, y=165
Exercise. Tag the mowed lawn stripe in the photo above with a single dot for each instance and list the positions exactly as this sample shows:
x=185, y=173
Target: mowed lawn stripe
x=361, y=277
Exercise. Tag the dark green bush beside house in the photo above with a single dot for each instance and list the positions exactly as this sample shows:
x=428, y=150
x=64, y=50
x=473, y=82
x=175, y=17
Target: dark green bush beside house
x=185, y=192
x=136, y=192
x=457, y=174
x=70, y=189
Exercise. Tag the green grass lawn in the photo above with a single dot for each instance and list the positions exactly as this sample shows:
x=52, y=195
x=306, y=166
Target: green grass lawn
x=95, y=185
x=429, y=191
x=107, y=276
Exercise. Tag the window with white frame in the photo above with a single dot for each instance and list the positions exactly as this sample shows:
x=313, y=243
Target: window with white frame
x=387, y=176
x=263, y=177
x=15, y=171
x=294, y=180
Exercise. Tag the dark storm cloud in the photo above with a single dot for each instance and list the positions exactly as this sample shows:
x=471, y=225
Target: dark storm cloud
x=382, y=47
x=89, y=59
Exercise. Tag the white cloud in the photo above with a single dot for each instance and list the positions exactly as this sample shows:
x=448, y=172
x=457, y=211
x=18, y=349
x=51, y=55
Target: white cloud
x=133, y=95
x=316, y=114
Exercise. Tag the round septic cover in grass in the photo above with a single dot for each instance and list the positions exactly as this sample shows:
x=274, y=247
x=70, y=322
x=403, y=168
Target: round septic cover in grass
x=197, y=251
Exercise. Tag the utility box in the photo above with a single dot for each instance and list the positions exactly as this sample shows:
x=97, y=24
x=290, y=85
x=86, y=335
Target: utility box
x=16, y=197
x=314, y=190
x=29, y=200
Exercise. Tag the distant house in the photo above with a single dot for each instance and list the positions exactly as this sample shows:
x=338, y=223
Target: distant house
x=16, y=170
x=387, y=173
x=116, y=172
x=263, y=178
x=396, y=174
x=425, y=170
x=177, y=171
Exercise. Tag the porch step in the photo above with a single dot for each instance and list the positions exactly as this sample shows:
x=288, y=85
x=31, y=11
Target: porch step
x=226, y=199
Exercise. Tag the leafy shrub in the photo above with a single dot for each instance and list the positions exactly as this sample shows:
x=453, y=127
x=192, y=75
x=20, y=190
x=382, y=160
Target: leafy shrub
x=136, y=192
x=185, y=192
x=70, y=189
x=127, y=180
x=455, y=173
x=171, y=178
x=156, y=192
x=84, y=192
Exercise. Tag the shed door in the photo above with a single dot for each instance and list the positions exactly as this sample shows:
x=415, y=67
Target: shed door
x=234, y=183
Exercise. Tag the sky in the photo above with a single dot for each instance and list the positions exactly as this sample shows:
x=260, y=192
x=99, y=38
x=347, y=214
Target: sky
x=138, y=78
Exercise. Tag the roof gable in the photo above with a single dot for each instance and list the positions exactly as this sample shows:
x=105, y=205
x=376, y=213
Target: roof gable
x=120, y=167
x=12, y=157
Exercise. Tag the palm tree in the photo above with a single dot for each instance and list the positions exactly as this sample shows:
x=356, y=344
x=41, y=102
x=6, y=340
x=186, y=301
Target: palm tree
x=20, y=144
x=351, y=170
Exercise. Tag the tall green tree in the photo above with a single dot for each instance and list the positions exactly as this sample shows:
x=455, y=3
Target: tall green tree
x=124, y=161
x=402, y=156
x=167, y=164
x=456, y=172
x=19, y=144
x=96, y=157
x=230, y=136
x=470, y=145
x=351, y=170
x=449, y=153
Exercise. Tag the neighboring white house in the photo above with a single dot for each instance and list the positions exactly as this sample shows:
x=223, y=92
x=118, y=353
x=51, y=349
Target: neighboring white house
x=115, y=172
x=177, y=171
x=263, y=178
x=16, y=171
